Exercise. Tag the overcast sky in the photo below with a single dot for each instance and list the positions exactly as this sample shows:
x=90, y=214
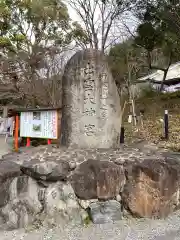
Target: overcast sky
x=129, y=21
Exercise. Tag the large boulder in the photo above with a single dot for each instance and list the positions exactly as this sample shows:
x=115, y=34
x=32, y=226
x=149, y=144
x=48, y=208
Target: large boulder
x=91, y=104
x=23, y=203
x=97, y=179
x=8, y=171
x=152, y=188
x=60, y=203
x=47, y=169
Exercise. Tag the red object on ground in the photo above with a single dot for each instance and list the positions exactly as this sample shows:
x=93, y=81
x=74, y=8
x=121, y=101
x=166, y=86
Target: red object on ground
x=48, y=141
x=28, y=144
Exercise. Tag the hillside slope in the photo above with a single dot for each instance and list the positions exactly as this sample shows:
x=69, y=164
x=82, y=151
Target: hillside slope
x=152, y=128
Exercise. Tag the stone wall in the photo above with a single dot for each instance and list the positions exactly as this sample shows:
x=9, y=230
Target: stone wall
x=102, y=185
x=90, y=102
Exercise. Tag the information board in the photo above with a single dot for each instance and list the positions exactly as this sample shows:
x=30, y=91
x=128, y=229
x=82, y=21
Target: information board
x=39, y=124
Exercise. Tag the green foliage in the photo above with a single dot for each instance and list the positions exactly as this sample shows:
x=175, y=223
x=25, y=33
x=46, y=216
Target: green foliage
x=78, y=33
x=169, y=96
x=18, y=38
x=118, y=61
x=5, y=42
x=159, y=19
x=155, y=46
x=27, y=22
x=87, y=221
x=148, y=92
x=125, y=56
x=148, y=36
x=33, y=34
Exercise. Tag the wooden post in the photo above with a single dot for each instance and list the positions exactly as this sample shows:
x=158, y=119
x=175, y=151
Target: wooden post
x=166, y=125
x=49, y=141
x=28, y=144
x=16, y=134
x=122, y=135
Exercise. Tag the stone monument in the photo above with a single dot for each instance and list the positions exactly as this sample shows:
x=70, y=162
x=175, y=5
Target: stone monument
x=90, y=102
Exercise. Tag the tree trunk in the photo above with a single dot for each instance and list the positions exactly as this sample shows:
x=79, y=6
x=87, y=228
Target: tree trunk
x=5, y=111
x=164, y=78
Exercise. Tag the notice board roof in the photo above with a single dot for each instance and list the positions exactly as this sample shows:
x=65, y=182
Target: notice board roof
x=37, y=109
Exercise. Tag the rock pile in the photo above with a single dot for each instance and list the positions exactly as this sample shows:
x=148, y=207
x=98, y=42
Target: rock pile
x=81, y=184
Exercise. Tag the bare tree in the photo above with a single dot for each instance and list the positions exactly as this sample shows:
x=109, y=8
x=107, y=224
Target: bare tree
x=49, y=84
x=33, y=79
x=125, y=88
x=101, y=20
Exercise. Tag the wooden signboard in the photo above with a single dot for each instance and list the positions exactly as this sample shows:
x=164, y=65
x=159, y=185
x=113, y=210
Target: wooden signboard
x=37, y=123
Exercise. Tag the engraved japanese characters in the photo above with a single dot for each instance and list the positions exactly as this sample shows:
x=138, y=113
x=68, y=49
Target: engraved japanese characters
x=91, y=105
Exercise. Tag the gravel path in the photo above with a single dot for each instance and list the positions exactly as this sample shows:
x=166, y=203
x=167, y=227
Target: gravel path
x=131, y=229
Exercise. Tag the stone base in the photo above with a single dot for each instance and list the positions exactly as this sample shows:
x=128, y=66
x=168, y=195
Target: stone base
x=81, y=184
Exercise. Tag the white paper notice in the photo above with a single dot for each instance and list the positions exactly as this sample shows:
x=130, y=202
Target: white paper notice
x=130, y=119
x=39, y=124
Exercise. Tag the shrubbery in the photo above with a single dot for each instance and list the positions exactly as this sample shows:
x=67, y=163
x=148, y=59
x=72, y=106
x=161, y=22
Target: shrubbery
x=168, y=96
x=150, y=92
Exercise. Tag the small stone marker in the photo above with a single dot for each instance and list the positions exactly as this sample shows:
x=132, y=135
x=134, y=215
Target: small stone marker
x=91, y=104
x=105, y=212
